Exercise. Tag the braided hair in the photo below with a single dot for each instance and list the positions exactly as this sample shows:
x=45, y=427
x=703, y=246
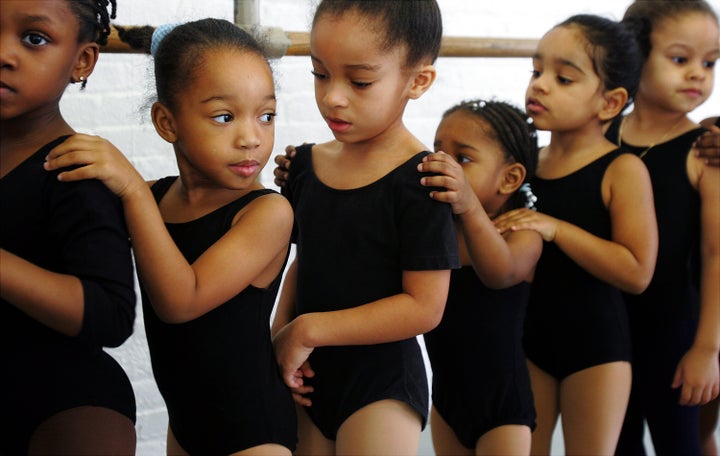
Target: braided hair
x=514, y=131
x=94, y=20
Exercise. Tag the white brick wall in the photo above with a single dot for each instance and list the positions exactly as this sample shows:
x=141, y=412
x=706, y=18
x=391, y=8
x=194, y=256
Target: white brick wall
x=112, y=103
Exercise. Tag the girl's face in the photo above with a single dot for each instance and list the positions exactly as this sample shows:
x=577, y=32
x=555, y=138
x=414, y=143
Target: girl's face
x=361, y=90
x=40, y=54
x=467, y=138
x=224, y=124
x=678, y=75
x=564, y=92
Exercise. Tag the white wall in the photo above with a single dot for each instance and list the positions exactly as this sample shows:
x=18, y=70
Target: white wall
x=112, y=103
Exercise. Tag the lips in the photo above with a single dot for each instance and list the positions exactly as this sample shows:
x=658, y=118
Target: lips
x=245, y=168
x=692, y=93
x=534, y=106
x=337, y=125
x=5, y=88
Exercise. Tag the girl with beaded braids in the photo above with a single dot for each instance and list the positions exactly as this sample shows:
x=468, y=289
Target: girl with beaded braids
x=210, y=244
x=675, y=323
x=481, y=395
x=66, y=277
x=595, y=213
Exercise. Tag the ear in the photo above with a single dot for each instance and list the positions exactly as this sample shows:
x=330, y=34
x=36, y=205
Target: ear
x=424, y=77
x=164, y=122
x=85, y=63
x=512, y=178
x=613, y=103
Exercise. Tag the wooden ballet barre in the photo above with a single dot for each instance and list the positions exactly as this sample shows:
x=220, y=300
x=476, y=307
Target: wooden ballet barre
x=452, y=46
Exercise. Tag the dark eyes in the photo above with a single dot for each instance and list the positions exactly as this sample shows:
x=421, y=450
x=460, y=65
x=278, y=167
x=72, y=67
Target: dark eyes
x=358, y=84
x=35, y=40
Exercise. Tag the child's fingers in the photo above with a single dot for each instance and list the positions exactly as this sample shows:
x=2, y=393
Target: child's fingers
x=438, y=181
x=302, y=400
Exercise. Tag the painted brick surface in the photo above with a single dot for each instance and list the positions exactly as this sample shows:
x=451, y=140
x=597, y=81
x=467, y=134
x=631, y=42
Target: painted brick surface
x=112, y=106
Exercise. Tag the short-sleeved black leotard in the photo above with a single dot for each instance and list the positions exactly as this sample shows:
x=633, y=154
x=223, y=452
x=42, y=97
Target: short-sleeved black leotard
x=480, y=375
x=352, y=248
x=78, y=229
x=574, y=320
x=218, y=373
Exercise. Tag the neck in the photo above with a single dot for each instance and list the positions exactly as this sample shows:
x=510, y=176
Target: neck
x=395, y=138
x=587, y=139
x=32, y=130
x=647, y=118
x=653, y=126
x=20, y=137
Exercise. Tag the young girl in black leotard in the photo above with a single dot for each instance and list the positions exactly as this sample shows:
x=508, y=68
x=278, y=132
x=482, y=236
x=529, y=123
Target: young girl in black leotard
x=374, y=253
x=482, y=401
x=210, y=244
x=66, y=277
x=595, y=212
x=675, y=323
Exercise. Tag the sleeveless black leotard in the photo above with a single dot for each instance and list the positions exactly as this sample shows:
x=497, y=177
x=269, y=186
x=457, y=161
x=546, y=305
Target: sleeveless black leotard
x=480, y=375
x=663, y=319
x=574, y=320
x=217, y=373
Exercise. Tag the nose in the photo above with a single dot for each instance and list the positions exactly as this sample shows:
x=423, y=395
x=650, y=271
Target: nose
x=247, y=134
x=697, y=71
x=538, y=84
x=8, y=56
x=334, y=95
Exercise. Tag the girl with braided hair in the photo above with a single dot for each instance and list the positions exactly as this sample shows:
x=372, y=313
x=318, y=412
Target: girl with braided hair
x=210, y=243
x=482, y=400
x=66, y=275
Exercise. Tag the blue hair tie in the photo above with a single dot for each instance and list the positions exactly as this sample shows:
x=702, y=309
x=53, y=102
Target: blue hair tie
x=158, y=35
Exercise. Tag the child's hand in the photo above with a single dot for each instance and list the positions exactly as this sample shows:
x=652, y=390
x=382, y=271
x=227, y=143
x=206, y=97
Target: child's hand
x=299, y=393
x=96, y=158
x=698, y=375
x=292, y=356
x=283, y=166
x=707, y=147
x=450, y=176
x=526, y=219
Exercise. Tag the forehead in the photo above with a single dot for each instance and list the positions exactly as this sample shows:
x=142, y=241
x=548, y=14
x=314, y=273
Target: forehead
x=50, y=12
x=351, y=37
x=565, y=45
x=227, y=72
x=691, y=28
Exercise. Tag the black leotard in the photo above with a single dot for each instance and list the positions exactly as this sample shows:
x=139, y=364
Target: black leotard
x=574, y=320
x=352, y=248
x=480, y=375
x=74, y=228
x=218, y=373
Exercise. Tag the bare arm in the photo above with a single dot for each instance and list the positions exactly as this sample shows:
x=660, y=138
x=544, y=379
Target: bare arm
x=285, y=312
x=697, y=371
x=181, y=291
x=499, y=261
x=415, y=311
x=627, y=260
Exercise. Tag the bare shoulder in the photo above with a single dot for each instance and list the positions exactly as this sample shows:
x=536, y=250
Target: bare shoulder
x=626, y=163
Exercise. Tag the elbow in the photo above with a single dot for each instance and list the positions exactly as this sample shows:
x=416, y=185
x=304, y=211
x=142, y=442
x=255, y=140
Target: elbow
x=171, y=316
x=639, y=282
x=433, y=317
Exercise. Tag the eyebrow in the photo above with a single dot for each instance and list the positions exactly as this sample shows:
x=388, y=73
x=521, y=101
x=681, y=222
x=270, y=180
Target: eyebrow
x=561, y=61
x=38, y=18
x=271, y=97
x=358, y=66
